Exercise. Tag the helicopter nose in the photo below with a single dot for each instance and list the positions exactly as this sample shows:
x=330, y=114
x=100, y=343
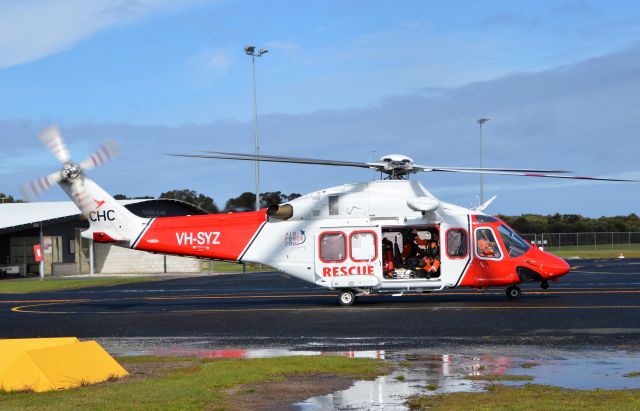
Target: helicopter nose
x=555, y=266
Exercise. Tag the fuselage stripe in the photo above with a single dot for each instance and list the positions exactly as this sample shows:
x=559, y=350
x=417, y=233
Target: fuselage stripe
x=251, y=242
x=144, y=230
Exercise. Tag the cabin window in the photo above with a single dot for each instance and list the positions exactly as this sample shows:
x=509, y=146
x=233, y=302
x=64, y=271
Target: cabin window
x=457, y=243
x=486, y=244
x=333, y=247
x=363, y=246
x=516, y=246
x=333, y=205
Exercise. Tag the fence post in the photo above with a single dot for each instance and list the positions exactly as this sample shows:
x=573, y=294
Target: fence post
x=612, y=240
x=595, y=241
x=558, y=241
x=577, y=241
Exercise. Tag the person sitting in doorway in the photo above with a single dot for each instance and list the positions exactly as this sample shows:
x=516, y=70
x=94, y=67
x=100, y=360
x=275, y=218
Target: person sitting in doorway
x=430, y=266
x=433, y=246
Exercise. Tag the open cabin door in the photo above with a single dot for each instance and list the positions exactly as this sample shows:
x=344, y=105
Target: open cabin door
x=348, y=257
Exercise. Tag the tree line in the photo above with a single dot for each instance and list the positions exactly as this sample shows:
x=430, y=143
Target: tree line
x=571, y=223
x=526, y=223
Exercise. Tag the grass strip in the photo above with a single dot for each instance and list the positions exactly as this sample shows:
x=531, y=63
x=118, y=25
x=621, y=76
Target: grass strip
x=530, y=397
x=498, y=377
x=199, y=385
x=31, y=285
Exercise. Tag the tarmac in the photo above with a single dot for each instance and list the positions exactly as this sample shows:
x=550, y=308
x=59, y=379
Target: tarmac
x=597, y=304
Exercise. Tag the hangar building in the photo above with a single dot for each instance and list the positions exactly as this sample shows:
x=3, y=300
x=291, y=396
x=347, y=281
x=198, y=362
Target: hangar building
x=57, y=227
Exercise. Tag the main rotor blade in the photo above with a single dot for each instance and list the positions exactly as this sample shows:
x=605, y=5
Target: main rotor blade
x=488, y=170
x=529, y=174
x=38, y=186
x=297, y=159
x=278, y=159
x=107, y=152
x=52, y=138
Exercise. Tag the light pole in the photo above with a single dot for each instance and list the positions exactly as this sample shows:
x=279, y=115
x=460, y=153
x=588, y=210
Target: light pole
x=251, y=51
x=481, y=121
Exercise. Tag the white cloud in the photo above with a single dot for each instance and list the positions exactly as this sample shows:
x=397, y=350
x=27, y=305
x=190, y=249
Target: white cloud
x=282, y=45
x=33, y=29
x=216, y=60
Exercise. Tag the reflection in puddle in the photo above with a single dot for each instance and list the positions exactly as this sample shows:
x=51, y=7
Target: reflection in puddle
x=446, y=373
x=265, y=353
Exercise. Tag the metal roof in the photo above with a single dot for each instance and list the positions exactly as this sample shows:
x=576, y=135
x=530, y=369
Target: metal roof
x=13, y=215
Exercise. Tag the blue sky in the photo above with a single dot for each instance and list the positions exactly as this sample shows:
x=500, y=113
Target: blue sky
x=558, y=79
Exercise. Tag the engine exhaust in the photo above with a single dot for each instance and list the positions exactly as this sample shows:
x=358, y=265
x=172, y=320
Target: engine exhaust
x=281, y=212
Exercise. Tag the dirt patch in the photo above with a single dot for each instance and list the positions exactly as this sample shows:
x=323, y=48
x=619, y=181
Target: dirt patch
x=280, y=395
x=145, y=370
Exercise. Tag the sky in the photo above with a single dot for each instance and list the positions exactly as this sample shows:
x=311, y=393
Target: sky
x=346, y=79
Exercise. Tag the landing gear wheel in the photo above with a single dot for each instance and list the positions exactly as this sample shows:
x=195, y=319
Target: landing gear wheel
x=544, y=284
x=346, y=297
x=513, y=292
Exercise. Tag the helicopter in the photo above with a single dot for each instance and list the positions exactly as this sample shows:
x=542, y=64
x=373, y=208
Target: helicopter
x=383, y=236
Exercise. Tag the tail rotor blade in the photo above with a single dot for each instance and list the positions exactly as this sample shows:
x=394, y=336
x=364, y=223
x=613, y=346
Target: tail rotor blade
x=107, y=152
x=52, y=138
x=81, y=197
x=38, y=186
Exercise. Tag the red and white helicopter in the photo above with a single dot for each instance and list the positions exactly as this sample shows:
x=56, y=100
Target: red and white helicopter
x=390, y=235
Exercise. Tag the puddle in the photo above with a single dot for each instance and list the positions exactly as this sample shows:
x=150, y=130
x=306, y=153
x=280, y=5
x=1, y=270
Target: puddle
x=446, y=373
x=577, y=370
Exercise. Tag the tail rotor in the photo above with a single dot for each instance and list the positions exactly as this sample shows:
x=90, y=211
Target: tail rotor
x=71, y=175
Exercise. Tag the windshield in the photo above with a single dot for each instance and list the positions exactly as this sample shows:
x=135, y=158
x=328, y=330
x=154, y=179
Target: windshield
x=516, y=246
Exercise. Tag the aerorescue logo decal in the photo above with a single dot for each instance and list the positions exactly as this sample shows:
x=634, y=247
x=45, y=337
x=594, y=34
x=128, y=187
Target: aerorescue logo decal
x=294, y=238
x=338, y=271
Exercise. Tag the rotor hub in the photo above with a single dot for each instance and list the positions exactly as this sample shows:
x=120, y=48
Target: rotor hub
x=70, y=172
x=397, y=166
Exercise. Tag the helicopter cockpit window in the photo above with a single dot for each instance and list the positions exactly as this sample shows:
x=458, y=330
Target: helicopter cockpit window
x=457, y=243
x=482, y=218
x=363, y=246
x=487, y=246
x=516, y=246
x=333, y=205
x=333, y=247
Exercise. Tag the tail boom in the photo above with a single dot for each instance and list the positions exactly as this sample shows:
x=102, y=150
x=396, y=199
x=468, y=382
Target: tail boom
x=219, y=236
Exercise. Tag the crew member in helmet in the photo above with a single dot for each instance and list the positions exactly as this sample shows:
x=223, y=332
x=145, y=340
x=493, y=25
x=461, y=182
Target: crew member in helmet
x=485, y=246
x=433, y=245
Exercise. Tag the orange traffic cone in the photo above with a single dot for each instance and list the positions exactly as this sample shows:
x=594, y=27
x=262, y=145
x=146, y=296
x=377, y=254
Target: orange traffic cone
x=620, y=255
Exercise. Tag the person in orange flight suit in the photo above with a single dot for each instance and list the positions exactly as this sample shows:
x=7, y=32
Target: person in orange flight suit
x=431, y=266
x=485, y=247
x=433, y=245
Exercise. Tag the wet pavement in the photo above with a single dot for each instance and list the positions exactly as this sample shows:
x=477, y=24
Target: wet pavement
x=582, y=333
x=597, y=304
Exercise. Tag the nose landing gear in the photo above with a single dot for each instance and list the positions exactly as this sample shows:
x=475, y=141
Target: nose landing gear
x=544, y=284
x=513, y=292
